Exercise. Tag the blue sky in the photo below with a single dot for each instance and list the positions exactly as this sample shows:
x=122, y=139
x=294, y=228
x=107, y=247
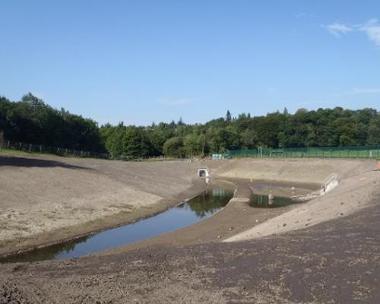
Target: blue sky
x=144, y=61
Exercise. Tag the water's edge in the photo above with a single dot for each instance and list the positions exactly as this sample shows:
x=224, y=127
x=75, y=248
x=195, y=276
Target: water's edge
x=64, y=249
x=181, y=215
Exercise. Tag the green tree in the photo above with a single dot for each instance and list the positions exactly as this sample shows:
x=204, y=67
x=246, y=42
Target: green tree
x=114, y=139
x=249, y=139
x=192, y=144
x=228, y=116
x=136, y=143
x=374, y=131
x=174, y=147
x=30, y=120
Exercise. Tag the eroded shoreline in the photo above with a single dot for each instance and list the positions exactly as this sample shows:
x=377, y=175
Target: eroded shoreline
x=154, y=178
x=334, y=261
x=335, y=257
x=90, y=228
x=221, y=225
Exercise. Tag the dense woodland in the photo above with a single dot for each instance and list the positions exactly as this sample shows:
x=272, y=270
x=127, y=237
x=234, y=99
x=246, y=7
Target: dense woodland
x=33, y=121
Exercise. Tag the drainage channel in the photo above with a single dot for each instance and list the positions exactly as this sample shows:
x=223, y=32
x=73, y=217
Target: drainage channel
x=182, y=215
x=271, y=201
x=277, y=195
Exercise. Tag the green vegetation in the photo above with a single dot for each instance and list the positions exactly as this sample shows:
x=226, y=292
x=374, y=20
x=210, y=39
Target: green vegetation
x=319, y=152
x=31, y=121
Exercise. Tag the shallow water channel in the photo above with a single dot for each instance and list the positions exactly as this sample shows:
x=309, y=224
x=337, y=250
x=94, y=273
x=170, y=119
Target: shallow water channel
x=267, y=201
x=277, y=195
x=182, y=215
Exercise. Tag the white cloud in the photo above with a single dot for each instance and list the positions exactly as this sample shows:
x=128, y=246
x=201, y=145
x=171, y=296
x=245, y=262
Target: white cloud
x=372, y=29
x=338, y=29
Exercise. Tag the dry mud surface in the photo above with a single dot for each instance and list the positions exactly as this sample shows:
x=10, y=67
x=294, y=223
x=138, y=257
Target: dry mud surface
x=44, y=200
x=333, y=262
x=324, y=251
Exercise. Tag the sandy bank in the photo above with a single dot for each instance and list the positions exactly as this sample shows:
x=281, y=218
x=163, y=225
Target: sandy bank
x=358, y=185
x=44, y=200
x=48, y=199
x=335, y=262
x=301, y=170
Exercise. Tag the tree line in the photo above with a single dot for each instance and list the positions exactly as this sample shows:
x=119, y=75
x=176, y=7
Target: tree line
x=33, y=121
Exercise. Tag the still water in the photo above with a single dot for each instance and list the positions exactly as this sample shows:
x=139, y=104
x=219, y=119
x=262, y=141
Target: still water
x=265, y=201
x=184, y=214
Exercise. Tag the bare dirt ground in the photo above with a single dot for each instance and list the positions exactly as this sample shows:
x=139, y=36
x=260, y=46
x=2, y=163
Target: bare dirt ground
x=43, y=200
x=327, y=250
x=353, y=193
x=333, y=262
x=224, y=224
x=47, y=199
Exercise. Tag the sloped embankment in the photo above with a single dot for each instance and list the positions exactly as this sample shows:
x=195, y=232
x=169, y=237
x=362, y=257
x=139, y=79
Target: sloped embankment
x=47, y=199
x=357, y=185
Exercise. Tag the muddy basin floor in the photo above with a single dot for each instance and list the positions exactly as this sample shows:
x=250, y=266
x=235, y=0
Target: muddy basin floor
x=333, y=262
x=334, y=258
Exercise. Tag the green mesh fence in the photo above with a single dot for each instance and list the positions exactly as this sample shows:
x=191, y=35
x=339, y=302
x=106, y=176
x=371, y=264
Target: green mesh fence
x=316, y=152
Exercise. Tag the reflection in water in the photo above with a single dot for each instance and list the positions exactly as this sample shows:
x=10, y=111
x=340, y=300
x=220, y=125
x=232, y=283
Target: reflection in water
x=271, y=201
x=185, y=214
x=208, y=202
x=47, y=253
